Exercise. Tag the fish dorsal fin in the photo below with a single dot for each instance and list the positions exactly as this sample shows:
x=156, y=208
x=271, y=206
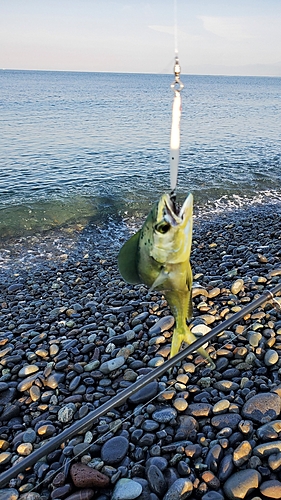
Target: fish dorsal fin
x=128, y=260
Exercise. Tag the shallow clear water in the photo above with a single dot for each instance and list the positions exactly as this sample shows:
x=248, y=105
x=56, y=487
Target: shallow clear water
x=76, y=146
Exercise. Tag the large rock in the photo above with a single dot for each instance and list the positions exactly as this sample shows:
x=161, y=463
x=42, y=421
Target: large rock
x=262, y=408
x=87, y=477
x=240, y=484
x=179, y=490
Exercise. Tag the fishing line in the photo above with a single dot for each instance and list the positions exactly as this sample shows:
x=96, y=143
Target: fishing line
x=176, y=26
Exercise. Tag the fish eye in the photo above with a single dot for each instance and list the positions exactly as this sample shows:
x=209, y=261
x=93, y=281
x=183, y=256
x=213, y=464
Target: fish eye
x=163, y=227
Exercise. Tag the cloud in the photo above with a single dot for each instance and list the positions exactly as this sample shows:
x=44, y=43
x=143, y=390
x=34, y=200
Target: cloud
x=182, y=35
x=170, y=30
x=231, y=28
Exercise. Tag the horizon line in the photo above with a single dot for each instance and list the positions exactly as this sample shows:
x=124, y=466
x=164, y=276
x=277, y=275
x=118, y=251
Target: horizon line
x=140, y=73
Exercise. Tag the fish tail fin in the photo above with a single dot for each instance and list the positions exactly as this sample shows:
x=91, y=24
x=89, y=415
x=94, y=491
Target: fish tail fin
x=183, y=334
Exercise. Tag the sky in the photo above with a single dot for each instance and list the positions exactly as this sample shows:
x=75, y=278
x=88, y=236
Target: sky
x=230, y=37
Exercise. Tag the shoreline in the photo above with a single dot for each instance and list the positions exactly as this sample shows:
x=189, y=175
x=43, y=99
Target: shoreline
x=66, y=312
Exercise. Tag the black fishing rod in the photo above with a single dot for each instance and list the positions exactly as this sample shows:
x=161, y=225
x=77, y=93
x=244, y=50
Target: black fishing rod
x=88, y=421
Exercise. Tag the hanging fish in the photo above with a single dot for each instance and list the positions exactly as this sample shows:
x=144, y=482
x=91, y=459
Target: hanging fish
x=158, y=255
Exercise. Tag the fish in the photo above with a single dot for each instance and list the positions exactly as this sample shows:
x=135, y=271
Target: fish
x=158, y=255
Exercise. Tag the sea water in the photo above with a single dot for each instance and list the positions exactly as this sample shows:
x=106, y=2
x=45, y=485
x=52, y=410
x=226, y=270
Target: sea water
x=77, y=146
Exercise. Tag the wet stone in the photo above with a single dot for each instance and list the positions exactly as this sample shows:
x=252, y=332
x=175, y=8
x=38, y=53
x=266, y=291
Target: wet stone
x=271, y=357
x=187, y=429
x=150, y=425
x=27, y=370
x=271, y=489
x=267, y=449
x=3, y=386
x=262, y=407
x=126, y=489
x=199, y=409
x=59, y=480
x=241, y=483
x=237, y=286
x=193, y=450
x=112, y=365
x=214, y=457
x=55, y=379
x=27, y=382
x=226, y=420
x=84, y=476
x=30, y=495
x=226, y=386
x=24, y=449
x=225, y=469
x=4, y=445
x=46, y=430
x=212, y=495
x=114, y=450
x=180, y=404
x=164, y=415
x=145, y=394
x=211, y=480
x=162, y=325
x=66, y=413
x=61, y=491
x=156, y=480
x=85, y=494
x=9, y=494
x=35, y=393
x=160, y=462
x=179, y=490
x=5, y=457
x=221, y=406
x=274, y=461
x=270, y=430
x=74, y=383
x=242, y=453
x=254, y=338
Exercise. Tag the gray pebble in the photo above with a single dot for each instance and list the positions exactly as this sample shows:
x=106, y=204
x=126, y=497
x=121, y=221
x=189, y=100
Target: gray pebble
x=9, y=494
x=126, y=489
x=145, y=394
x=162, y=325
x=156, y=480
x=271, y=357
x=112, y=365
x=114, y=450
x=164, y=415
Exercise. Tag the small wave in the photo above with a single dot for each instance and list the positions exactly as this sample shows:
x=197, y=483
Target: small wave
x=231, y=202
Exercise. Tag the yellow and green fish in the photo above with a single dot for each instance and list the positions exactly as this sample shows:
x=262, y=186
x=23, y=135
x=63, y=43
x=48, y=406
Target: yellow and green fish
x=158, y=255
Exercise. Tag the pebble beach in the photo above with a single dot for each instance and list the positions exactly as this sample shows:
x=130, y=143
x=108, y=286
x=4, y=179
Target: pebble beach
x=73, y=334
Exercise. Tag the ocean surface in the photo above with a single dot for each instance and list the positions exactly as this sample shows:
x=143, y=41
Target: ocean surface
x=79, y=147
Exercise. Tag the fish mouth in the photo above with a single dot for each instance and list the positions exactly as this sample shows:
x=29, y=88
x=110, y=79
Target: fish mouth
x=173, y=213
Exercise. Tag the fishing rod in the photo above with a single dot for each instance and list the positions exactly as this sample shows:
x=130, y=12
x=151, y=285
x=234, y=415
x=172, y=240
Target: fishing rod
x=86, y=422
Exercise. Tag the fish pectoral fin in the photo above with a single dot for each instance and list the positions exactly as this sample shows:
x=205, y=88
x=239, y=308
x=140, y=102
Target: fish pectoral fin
x=128, y=260
x=160, y=280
